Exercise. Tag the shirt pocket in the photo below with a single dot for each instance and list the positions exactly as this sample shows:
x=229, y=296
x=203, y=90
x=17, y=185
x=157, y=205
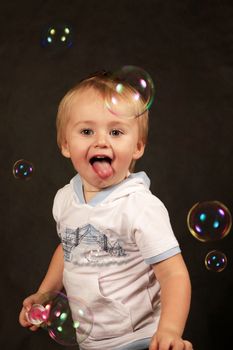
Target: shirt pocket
x=132, y=291
x=111, y=317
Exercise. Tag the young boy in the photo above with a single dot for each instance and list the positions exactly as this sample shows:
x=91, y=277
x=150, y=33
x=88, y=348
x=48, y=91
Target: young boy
x=118, y=251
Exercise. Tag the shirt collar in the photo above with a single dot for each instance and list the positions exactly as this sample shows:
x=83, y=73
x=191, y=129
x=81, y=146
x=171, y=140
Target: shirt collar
x=105, y=192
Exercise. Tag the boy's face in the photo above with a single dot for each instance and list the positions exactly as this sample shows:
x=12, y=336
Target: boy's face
x=101, y=145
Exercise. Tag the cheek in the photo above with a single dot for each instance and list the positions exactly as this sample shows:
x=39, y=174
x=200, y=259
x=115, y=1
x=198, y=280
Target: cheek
x=76, y=145
x=124, y=157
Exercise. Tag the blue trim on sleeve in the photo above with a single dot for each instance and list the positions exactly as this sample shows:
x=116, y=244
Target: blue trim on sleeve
x=168, y=254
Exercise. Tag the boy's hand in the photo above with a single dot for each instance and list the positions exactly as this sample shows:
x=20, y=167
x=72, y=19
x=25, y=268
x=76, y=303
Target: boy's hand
x=169, y=341
x=27, y=304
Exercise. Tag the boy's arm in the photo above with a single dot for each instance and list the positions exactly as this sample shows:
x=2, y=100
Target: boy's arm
x=175, y=285
x=53, y=278
x=51, y=282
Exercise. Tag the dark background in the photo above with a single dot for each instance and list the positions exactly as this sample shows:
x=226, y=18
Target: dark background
x=187, y=47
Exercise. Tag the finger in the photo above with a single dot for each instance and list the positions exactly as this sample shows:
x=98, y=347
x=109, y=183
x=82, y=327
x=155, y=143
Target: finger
x=163, y=344
x=27, y=303
x=22, y=318
x=153, y=344
x=188, y=345
x=33, y=328
x=178, y=345
x=24, y=321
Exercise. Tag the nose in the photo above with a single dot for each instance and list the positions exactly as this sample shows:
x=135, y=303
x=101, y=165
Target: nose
x=101, y=140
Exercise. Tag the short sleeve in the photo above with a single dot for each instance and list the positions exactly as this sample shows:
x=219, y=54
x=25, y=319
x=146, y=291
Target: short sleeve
x=61, y=200
x=56, y=206
x=153, y=232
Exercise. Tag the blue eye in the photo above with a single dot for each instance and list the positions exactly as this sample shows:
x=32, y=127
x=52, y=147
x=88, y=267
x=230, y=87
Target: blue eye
x=116, y=132
x=87, y=132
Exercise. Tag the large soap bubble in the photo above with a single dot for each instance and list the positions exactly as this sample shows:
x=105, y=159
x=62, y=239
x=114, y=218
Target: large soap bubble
x=68, y=321
x=209, y=221
x=132, y=92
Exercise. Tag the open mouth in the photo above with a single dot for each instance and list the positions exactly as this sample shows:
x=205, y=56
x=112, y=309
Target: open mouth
x=102, y=166
x=102, y=159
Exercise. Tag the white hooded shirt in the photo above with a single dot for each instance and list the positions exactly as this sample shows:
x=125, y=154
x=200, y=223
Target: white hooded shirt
x=109, y=246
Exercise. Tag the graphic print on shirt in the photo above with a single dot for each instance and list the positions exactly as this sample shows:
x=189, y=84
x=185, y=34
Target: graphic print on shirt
x=87, y=245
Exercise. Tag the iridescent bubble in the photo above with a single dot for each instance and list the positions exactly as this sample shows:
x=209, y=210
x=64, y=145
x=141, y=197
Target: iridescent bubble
x=23, y=169
x=37, y=314
x=68, y=321
x=215, y=261
x=132, y=92
x=209, y=221
x=57, y=35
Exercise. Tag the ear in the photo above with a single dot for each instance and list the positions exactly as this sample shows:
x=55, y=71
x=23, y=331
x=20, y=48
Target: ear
x=139, y=150
x=65, y=150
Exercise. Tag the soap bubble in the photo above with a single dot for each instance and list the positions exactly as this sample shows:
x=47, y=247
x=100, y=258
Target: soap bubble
x=215, y=261
x=57, y=35
x=37, y=314
x=68, y=321
x=23, y=169
x=132, y=92
x=209, y=221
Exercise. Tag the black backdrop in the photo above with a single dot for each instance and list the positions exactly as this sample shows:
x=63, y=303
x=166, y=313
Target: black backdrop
x=186, y=46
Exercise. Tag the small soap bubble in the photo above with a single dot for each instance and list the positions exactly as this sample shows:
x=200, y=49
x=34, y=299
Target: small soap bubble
x=215, y=261
x=132, y=92
x=57, y=36
x=23, y=169
x=209, y=221
x=68, y=321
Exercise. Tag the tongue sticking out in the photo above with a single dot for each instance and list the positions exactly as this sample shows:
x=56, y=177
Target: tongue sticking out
x=102, y=168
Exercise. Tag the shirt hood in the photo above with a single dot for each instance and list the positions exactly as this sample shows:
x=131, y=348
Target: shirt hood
x=134, y=182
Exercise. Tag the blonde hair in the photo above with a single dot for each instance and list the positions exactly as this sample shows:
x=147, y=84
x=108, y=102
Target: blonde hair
x=105, y=86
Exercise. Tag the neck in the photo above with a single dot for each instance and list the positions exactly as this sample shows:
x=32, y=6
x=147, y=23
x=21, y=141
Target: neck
x=89, y=194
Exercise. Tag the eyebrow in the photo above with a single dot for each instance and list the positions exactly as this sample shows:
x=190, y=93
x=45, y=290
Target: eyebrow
x=84, y=122
x=111, y=124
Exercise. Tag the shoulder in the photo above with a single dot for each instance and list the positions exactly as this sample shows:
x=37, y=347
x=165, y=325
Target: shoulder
x=63, y=193
x=147, y=208
x=145, y=198
x=139, y=190
x=144, y=208
x=62, y=198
